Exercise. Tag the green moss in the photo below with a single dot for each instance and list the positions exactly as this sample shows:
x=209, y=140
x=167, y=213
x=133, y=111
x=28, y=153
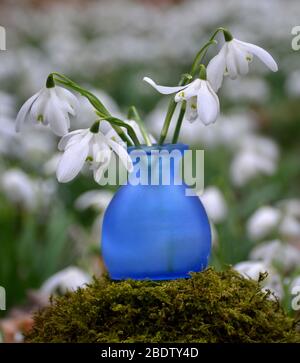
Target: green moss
x=209, y=307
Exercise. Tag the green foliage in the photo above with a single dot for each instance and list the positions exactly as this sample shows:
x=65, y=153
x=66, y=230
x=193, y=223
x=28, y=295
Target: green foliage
x=209, y=307
x=32, y=247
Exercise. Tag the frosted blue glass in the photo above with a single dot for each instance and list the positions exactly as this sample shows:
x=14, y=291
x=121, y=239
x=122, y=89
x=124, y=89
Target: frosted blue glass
x=155, y=231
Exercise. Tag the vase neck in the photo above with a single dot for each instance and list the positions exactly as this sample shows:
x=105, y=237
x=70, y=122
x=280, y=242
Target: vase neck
x=158, y=164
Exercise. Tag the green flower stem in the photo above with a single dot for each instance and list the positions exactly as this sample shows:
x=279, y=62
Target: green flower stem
x=122, y=135
x=101, y=111
x=179, y=123
x=199, y=56
x=134, y=115
x=168, y=118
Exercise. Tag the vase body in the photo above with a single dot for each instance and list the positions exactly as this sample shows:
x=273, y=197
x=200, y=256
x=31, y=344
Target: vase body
x=155, y=232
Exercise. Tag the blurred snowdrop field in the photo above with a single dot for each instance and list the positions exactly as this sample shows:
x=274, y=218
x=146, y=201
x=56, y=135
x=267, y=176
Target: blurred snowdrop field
x=252, y=172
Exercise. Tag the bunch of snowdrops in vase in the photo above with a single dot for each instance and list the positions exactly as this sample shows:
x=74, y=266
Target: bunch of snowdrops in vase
x=154, y=228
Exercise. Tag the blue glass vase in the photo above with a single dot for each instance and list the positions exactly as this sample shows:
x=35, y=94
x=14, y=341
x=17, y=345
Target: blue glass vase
x=155, y=232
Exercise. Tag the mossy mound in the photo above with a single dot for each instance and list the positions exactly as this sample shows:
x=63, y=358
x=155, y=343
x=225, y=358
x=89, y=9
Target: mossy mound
x=209, y=307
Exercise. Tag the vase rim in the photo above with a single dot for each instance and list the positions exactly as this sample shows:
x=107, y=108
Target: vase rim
x=178, y=146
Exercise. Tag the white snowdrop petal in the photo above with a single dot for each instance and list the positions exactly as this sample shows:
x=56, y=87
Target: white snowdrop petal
x=163, y=89
x=191, y=109
x=122, y=154
x=72, y=161
x=38, y=108
x=231, y=62
x=207, y=105
x=25, y=109
x=103, y=165
x=68, y=96
x=57, y=119
x=190, y=91
x=66, y=138
x=216, y=69
x=241, y=59
x=262, y=54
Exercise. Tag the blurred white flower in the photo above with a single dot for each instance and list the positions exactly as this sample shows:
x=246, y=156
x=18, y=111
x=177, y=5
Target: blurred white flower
x=257, y=155
x=233, y=59
x=263, y=221
x=69, y=279
x=82, y=145
x=19, y=188
x=50, y=106
x=277, y=253
x=97, y=199
x=51, y=165
x=214, y=235
x=35, y=144
x=292, y=84
x=289, y=227
x=202, y=102
x=295, y=283
x=214, y=204
x=251, y=269
x=22, y=190
x=230, y=129
x=251, y=89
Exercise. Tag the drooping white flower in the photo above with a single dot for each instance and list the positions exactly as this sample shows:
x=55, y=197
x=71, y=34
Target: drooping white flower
x=97, y=199
x=263, y=222
x=251, y=269
x=257, y=155
x=233, y=59
x=19, y=188
x=277, y=253
x=202, y=103
x=214, y=204
x=50, y=106
x=289, y=227
x=82, y=145
x=69, y=279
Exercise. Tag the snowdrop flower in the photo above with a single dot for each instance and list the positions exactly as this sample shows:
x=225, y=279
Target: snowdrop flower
x=88, y=145
x=233, y=59
x=50, y=106
x=19, y=188
x=251, y=269
x=71, y=278
x=292, y=84
x=98, y=199
x=263, y=222
x=289, y=227
x=278, y=253
x=252, y=89
x=201, y=101
x=257, y=155
x=214, y=204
